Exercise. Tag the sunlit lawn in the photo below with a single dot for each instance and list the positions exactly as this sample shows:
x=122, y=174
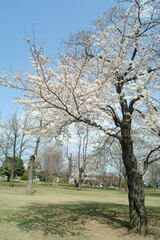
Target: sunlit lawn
x=59, y=213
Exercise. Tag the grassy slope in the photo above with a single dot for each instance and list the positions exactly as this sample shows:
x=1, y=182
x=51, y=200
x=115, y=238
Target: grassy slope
x=59, y=213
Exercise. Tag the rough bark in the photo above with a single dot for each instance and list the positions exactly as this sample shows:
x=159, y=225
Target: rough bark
x=125, y=181
x=138, y=214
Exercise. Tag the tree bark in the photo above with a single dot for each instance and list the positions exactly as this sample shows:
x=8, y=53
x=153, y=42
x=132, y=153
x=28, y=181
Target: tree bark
x=80, y=179
x=11, y=179
x=125, y=182
x=120, y=175
x=30, y=176
x=67, y=181
x=31, y=167
x=138, y=214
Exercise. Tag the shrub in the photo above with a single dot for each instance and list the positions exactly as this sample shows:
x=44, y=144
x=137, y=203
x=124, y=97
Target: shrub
x=24, y=177
x=123, y=184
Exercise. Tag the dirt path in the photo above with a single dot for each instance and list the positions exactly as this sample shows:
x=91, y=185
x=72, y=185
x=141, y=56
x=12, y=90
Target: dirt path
x=97, y=231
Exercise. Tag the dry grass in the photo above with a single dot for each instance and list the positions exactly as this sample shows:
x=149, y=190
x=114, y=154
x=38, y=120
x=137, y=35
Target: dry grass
x=59, y=213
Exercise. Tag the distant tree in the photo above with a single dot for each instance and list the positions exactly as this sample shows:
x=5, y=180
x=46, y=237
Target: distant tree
x=25, y=176
x=68, y=171
x=6, y=167
x=112, y=178
x=51, y=160
x=154, y=173
x=103, y=162
x=83, y=162
x=14, y=142
x=67, y=168
x=117, y=162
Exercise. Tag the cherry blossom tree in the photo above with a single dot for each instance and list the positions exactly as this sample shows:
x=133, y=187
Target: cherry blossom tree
x=104, y=159
x=105, y=77
x=83, y=163
x=51, y=160
x=154, y=174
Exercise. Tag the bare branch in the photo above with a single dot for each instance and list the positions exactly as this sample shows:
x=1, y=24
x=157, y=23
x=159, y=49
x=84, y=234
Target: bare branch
x=147, y=162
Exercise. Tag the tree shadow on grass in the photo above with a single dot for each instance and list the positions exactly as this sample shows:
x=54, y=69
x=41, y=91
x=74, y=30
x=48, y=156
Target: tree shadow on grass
x=154, y=221
x=70, y=218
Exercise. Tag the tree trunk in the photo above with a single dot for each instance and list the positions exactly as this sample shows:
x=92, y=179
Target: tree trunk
x=155, y=185
x=67, y=181
x=54, y=180
x=125, y=182
x=69, y=168
x=11, y=179
x=31, y=167
x=30, y=176
x=79, y=185
x=120, y=181
x=2, y=178
x=80, y=179
x=138, y=215
x=75, y=183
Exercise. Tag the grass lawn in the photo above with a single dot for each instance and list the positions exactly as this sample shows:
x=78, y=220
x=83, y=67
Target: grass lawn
x=59, y=213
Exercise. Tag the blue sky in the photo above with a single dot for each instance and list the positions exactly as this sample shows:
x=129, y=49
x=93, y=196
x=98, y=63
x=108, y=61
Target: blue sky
x=53, y=20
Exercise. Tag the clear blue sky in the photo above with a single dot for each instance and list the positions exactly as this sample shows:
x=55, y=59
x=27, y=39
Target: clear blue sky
x=53, y=21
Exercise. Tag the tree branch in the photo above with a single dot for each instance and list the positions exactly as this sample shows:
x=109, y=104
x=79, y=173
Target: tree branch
x=147, y=162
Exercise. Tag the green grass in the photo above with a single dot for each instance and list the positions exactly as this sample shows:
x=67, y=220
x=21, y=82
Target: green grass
x=59, y=213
